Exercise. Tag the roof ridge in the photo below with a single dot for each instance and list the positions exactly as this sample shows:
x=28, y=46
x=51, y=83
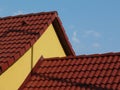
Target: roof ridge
x=29, y=14
x=84, y=55
x=101, y=54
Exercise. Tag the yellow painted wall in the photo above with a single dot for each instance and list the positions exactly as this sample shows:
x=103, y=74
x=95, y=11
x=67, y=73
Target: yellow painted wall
x=12, y=78
x=47, y=45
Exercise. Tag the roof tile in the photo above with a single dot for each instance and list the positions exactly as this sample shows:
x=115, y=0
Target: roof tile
x=111, y=80
x=99, y=81
x=105, y=79
x=117, y=79
x=93, y=81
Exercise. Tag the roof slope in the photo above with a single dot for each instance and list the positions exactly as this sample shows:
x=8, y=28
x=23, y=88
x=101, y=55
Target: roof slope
x=19, y=33
x=96, y=72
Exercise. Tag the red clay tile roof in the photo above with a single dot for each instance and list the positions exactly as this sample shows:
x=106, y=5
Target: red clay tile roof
x=86, y=72
x=19, y=33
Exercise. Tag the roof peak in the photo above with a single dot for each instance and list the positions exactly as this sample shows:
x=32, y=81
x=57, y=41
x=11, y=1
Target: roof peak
x=28, y=14
x=22, y=31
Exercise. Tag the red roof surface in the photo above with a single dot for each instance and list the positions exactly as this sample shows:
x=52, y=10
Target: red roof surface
x=19, y=33
x=85, y=72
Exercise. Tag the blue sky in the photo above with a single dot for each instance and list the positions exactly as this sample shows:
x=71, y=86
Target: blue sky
x=93, y=26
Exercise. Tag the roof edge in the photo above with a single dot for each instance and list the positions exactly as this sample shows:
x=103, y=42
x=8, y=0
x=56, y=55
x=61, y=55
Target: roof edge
x=29, y=14
x=60, y=31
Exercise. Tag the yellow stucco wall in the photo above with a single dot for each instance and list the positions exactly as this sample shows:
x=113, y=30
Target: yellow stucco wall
x=14, y=76
x=47, y=45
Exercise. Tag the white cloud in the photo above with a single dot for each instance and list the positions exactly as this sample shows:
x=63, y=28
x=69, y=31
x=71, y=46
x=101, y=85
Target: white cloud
x=75, y=37
x=91, y=33
x=1, y=9
x=2, y=14
x=96, y=45
x=18, y=12
x=71, y=27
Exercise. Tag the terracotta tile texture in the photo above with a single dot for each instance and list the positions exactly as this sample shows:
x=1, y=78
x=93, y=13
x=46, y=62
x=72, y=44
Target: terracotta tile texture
x=19, y=33
x=88, y=72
